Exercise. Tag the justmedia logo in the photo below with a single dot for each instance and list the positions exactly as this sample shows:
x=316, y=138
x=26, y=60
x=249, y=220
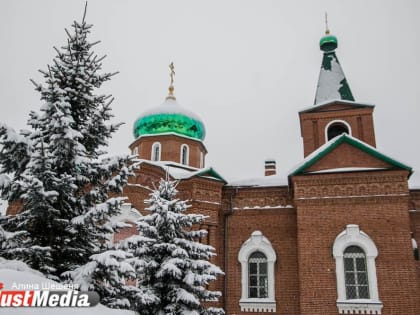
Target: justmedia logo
x=47, y=298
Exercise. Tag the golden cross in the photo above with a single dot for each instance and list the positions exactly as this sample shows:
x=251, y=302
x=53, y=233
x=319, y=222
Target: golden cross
x=172, y=67
x=171, y=86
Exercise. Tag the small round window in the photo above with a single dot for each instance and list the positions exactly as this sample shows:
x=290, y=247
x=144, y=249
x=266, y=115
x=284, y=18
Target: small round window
x=336, y=129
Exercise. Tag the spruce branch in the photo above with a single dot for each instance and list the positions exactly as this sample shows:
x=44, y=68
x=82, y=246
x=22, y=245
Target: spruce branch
x=58, y=52
x=94, y=43
x=84, y=13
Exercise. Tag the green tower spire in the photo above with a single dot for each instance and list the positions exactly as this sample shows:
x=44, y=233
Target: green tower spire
x=332, y=83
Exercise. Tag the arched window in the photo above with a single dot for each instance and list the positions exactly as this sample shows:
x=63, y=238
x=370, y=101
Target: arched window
x=156, y=151
x=136, y=151
x=336, y=128
x=257, y=258
x=258, y=277
x=185, y=152
x=415, y=248
x=201, y=159
x=357, y=289
x=356, y=277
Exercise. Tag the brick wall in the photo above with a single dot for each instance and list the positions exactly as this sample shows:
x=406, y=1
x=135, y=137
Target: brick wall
x=170, y=148
x=313, y=124
x=346, y=155
x=279, y=227
x=385, y=218
x=204, y=196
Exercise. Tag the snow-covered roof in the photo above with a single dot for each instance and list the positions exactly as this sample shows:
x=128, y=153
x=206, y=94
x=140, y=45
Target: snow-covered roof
x=336, y=101
x=348, y=169
x=170, y=106
x=263, y=181
x=169, y=117
x=179, y=171
x=169, y=134
x=332, y=83
x=333, y=143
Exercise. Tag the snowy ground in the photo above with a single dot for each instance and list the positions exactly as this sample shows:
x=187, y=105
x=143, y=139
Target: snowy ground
x=16, y=272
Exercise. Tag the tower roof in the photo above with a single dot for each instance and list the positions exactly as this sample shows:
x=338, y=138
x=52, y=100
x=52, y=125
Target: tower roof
x=328, y=147
x=332, y=83
x=169, y=117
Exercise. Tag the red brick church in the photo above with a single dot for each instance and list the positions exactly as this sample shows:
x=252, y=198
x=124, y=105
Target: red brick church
x=338, y=235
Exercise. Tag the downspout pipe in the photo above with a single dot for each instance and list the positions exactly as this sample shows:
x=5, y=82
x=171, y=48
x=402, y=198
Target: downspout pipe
x=226, y=215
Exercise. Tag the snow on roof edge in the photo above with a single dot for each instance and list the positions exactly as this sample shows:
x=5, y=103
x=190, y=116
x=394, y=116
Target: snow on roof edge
x=347, y=169
x=170, y=106
x=180, y=171
x=171, y=133
x=315, y=106
x=262, y=181
x=332, y=142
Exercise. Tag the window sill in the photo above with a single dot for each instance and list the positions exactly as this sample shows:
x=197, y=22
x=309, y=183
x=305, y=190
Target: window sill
x=360, y=306
x=258, y=305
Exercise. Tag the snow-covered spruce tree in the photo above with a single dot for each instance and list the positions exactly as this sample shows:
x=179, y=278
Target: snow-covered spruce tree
x=112, y=275
x=169, y=260
x=58, y=170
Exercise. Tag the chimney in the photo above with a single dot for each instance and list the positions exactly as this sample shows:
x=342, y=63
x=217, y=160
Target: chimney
x=270, y=167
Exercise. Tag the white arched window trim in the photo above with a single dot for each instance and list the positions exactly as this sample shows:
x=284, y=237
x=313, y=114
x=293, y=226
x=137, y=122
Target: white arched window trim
x=337, y=121
x=257, y=243
x=353, y=236
x=185, y=155
x=136, y=151
x=156, y=151
x=201, y=160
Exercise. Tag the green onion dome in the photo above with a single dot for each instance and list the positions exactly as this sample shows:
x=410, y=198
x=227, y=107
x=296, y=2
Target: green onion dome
x=169, y=117
x=328, y=42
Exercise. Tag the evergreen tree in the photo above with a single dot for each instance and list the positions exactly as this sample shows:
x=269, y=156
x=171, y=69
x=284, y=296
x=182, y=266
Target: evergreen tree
x=170, y=263
x=113, y=277
x=58, y=171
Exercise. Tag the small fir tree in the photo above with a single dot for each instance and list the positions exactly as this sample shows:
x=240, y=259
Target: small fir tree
x=112, y=275
x=57, y=171
x=170, y=263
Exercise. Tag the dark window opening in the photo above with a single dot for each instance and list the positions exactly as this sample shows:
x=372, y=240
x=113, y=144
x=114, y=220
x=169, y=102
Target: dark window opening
x=156, y=151
x=184, y=154
x=356, y=276
x=336, y=129
x=258, y=276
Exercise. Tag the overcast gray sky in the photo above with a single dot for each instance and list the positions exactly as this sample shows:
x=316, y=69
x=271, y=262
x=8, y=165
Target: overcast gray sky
x=246, y=67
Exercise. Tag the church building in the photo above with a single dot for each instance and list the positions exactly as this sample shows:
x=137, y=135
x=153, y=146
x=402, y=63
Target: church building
x=338, y=235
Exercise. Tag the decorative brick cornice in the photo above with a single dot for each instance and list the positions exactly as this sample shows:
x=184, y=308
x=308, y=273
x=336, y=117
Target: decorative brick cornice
x=348, y=178
x=368, y=200
x=327, y=186
x=324, y=115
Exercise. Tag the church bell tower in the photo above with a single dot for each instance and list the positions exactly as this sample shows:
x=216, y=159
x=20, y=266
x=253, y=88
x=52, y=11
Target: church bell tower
x=334, y=111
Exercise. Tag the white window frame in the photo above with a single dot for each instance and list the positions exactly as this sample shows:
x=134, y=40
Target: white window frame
x=337, y=121
x=353, y=236
x=153, y=157
x=201, y=160
x=136, y=151
x=187, y=154
x=257, y=243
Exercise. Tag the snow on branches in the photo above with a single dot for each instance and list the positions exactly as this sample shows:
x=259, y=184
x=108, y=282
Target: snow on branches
x=168, y=258
x=57, y=170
